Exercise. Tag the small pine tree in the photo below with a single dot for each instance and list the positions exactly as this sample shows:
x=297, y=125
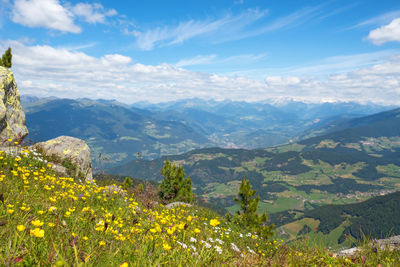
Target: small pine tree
x=248, y=216
x=175, y=186
x=141, y=188
x=6, y=59
x=127, y=183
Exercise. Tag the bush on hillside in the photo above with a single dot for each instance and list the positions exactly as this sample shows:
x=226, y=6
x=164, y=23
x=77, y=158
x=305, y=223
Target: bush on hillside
x=248, y=216
x=175, y=186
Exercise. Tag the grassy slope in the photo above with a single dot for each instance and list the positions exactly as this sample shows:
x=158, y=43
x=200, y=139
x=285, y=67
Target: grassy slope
x=49, y=220
x=347, y=166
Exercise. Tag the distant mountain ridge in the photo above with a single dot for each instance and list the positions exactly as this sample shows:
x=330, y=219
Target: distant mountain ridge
x=112, y=129
x=239, y=124
x=154, y=130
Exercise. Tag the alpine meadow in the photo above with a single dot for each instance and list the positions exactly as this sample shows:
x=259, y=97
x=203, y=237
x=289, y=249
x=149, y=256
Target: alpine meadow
x=199, y=133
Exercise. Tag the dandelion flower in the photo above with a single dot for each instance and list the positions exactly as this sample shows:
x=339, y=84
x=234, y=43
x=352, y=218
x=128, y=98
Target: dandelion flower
x=102, y=243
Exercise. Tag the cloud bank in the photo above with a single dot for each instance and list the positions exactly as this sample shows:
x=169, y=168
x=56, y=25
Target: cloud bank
x=47, y=71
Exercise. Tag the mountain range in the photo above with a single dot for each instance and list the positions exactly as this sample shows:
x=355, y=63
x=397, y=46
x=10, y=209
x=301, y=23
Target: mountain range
x=331, y=153
x=117, y=133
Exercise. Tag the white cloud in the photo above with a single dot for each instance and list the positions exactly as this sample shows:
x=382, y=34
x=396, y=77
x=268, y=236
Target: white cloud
x=282, y=81
x=239, y=60
x=93, y=13
x=48, y=71
x=386, y=33
x=116, y=59
x=197, y=60
x=227, y=28
x=162, y=36
x=44, y=13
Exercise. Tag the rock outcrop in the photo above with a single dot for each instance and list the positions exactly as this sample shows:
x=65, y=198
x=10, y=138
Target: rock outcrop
x=390, y=243
x=176, y=204
x=12, y=117
x=69, y=151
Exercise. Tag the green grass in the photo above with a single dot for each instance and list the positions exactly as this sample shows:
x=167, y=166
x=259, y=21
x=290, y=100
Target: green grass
x=48, y=220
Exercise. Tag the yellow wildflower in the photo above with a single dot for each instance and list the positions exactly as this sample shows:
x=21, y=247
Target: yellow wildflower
x=181, y=226
x=52, y=209
x=125, y=264
x=214, y=222
x=37, y=232
x=21, y=228
x=166, y=246
x=37, y=223
x=102, y=243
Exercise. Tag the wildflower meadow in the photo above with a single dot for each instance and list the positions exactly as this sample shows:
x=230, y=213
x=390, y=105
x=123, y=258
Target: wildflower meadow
x=50, y=220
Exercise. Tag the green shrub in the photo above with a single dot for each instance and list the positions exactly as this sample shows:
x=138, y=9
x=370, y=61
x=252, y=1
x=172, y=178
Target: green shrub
x=6, y=59
x=175, y=186
x=127, y=183
x=248, y=216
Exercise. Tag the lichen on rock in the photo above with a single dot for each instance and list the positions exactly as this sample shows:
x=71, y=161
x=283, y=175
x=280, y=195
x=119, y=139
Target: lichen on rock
x=12, y=116
x=69, y=150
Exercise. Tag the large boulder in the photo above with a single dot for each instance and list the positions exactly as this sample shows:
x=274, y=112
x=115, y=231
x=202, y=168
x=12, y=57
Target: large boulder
x=69, y=152
x=12, y=117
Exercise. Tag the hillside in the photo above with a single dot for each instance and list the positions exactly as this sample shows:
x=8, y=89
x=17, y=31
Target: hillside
x=335, y=225
x=112, y=130
x=342, y=167
x=73, y=223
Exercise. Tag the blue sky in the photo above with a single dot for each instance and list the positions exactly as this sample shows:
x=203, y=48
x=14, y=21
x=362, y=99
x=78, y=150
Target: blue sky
x=248, y=50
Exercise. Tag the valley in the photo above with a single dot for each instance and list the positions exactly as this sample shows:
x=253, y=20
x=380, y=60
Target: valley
x=353, y=160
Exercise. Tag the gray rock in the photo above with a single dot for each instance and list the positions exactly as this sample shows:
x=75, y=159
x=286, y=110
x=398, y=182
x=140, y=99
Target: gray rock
x=12, y=116
x=70, y=148
x=390, y=243
x=175, y=204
